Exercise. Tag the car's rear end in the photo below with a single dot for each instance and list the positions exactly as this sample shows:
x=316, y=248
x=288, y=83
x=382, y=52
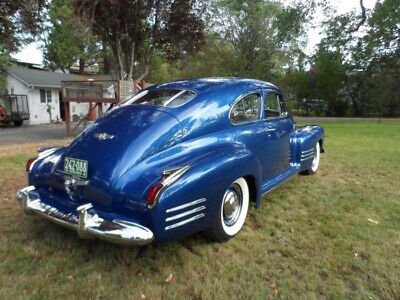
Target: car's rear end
x=77, y=186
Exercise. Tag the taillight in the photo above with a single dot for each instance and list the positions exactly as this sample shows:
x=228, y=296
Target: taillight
x=29, y=163
x=168, y=177
x=153, y=193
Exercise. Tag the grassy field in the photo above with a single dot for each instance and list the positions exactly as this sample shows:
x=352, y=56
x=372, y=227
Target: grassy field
x=335, y=234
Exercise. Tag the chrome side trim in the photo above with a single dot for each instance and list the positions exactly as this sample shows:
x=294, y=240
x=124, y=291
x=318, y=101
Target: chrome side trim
x=185, y=205
x=194, y=218
x=186, y=213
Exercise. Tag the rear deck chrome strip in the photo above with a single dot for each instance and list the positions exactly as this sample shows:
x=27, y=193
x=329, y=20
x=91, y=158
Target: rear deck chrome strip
x=186, y=213
x=194, y=218
x=186, y=205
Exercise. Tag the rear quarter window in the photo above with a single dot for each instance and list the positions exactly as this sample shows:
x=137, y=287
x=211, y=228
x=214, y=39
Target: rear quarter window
x=166, y=98
x=246, y=109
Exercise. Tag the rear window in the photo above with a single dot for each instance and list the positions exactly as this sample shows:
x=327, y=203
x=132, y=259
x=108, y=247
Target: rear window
x=166, y=98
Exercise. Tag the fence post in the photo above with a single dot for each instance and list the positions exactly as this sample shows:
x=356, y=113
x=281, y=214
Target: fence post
x=67, y=118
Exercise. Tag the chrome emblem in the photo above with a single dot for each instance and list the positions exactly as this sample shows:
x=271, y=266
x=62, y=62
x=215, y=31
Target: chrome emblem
x=71, y=184
x=103, y=136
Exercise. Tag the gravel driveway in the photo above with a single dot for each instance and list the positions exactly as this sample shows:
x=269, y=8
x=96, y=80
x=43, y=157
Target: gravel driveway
x=34, y=133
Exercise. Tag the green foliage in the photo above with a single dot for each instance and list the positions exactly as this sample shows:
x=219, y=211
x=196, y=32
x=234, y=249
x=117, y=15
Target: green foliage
x=20, y=22
x=69, y=38
x=263, y=36
x=4, y=60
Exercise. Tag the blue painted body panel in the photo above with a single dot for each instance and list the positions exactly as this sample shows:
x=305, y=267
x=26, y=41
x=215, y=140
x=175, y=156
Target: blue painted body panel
x=151, y=139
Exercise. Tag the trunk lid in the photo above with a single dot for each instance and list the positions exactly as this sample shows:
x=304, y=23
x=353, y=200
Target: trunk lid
x=114, y=143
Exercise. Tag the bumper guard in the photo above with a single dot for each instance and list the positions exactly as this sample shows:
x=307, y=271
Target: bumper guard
x=87, y=225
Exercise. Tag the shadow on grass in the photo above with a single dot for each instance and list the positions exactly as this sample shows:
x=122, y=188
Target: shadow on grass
x=46, y=235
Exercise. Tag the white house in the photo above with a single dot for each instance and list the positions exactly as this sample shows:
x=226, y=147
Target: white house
x=43, y=91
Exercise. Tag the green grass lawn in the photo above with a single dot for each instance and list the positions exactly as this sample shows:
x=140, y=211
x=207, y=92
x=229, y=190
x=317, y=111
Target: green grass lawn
x=333, y=234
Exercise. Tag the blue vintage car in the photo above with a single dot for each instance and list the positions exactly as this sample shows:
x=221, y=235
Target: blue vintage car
x=171, y=160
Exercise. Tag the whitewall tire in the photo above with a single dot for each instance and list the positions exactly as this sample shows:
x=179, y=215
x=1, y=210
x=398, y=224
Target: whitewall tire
x=315, y=162
x=232, y=211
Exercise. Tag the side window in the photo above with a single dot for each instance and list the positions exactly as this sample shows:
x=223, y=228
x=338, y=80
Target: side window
x=272, y=106
x=246, y=109
x=48, y=93
x=42, y=96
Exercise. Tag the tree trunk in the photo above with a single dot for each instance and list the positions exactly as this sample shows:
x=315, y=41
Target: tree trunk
x=120, y=60
x=81, y=65
x=106, y=63
x=131, y=61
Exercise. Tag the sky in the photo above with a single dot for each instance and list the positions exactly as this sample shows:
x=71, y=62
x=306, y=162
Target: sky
x=32, y=54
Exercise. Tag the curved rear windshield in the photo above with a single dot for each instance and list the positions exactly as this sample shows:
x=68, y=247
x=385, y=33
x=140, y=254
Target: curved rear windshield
x=166, y=98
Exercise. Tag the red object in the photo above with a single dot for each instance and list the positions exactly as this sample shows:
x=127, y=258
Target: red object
x=29, y=163
x=92, y=113
x=153, y=193
x=3, y=112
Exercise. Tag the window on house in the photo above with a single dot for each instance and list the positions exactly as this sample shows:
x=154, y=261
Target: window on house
x=42, y=96
x=48, y=93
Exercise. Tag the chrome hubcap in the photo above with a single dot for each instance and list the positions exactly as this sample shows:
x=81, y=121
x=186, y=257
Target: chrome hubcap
x=232, y=204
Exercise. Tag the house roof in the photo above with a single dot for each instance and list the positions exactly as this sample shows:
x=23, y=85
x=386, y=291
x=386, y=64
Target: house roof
x=42, y=78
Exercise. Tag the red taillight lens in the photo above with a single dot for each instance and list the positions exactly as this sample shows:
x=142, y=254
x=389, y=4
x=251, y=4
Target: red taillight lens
x=153, y=193
x=29, y=163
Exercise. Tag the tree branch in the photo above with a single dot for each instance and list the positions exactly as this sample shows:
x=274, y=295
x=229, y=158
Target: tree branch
x=362, y=21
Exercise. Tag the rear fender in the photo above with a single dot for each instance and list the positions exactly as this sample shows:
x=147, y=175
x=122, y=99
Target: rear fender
x=205, y=183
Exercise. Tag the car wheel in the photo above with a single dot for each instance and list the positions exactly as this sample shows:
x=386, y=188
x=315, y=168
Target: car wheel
x=18, y=123
x=232, y=211
x=315, y=162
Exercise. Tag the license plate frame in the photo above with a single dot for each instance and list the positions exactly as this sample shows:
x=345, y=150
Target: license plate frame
x=76, y=167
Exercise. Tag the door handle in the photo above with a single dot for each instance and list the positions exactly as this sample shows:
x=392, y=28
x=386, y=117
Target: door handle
x=270, y=130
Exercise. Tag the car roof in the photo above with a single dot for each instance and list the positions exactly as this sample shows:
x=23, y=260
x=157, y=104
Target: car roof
x=212, y=84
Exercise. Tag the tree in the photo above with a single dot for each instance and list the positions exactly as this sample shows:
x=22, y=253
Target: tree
x=264, y=35
x=369, y=44
x=69, y=40
x=20, y=21
x=181, y=33
x=131, y=28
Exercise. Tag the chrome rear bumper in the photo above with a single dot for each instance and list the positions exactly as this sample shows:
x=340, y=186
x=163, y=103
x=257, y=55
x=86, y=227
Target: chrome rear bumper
x=87, y=225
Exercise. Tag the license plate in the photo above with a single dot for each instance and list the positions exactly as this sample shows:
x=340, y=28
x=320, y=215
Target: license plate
x=76, y=167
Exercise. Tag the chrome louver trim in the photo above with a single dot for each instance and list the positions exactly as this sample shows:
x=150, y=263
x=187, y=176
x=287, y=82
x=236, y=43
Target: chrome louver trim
x=194, y=218
x=307, y=154
x=307, y=151
x=307, y=158
x=186, y=213
x=183, y=206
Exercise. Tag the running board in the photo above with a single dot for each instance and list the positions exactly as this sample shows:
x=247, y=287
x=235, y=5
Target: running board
x=281, y=178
